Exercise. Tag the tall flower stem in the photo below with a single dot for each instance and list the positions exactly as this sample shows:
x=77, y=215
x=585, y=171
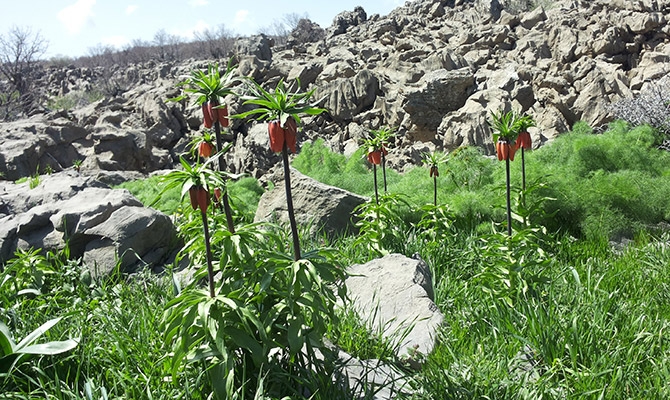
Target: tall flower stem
x=224, y=196
x=374, y=172
x=435, y=190
x=210, y=267
x=289, y=204
x=509, y=207
x=384, y=169
x=523, y=169
x=523, y=176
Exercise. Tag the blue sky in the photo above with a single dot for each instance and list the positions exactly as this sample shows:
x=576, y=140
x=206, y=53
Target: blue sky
x=74, y=26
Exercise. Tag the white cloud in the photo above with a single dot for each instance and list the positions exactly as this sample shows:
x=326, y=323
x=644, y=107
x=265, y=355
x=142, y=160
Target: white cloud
x=198, y=3
x=131, y=9
x=117, y=41
x=243, y=21
x=189, y=33
x=77, y=15
x=241, y=17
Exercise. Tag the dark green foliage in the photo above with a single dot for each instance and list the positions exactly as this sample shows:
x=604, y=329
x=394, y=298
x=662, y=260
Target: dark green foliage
x=608, y=185
x=605, y=185
x=322, y=164
x=270, y=313
x=244, y=194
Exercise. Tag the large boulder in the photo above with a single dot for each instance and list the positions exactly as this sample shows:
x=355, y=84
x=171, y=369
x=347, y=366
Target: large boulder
x=395, y=295
x=259, y=46
x=346, y=20
x=437, y=93
x=370, y=379
x=107, y=227
x=321, y=207
x=32, y=145
x=346, y=97
x=305, y=31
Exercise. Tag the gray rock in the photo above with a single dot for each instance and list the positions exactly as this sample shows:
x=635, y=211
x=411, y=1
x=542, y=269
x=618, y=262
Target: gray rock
x=107, y=227
x=306, y=73
x=438, y=93
x=305, y=32
x=573, y=58
x=345, y=98
x=533, y=18
x=370, y=379
x=321, y=207
x=395, y=295
x=251, y=153
x=30, y=146
x=346, y=20
x=259, y=46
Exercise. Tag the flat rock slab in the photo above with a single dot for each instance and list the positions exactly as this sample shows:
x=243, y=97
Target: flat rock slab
x=394, y=294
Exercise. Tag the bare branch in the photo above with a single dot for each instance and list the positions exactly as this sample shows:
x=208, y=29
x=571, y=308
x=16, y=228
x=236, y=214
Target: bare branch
x=20, y=48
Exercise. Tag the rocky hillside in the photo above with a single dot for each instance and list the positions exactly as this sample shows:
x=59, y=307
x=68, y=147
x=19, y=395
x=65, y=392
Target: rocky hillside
x=431, y=69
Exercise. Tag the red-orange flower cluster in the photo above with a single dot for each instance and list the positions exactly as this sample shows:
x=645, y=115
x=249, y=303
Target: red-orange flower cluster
x=279, y=135
x=212, y=114
x=505, y=149
x=375, y=156
x=205, y=149
x=199, y=197
x=524, y=141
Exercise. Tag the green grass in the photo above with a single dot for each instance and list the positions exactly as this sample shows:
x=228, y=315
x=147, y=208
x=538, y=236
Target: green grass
x=596, y=331
x=604, y=186
x=593, y=319
x=73, y=100
x=120, y=351
x=244, y=194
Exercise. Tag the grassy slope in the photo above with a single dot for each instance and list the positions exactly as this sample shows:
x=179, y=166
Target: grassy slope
x=595, y=329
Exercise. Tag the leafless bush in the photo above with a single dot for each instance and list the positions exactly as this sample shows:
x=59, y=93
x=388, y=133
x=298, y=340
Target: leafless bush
x=215, y=43
x=651, y=106
x=112, y=82
x=100, y=55
x=166, y=46
x=20, y=51
x=280, y=29
x=60, y=61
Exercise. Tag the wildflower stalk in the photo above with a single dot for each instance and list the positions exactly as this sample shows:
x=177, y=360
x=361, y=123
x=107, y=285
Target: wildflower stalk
x=208, y=248
x=509, y=205
x=289, y=204
x=224, y=195
x=384, y=170
x=374, y=173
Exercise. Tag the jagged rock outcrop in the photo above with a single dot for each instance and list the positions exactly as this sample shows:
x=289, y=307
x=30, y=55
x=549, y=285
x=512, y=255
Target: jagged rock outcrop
x=434, y=70
x=305, y=32
x=103, y=226
x=347, y=19
x=345, y=98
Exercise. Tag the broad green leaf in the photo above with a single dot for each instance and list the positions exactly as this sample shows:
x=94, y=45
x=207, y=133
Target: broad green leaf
x=246, y=341
x=34, y=335
x=50, y=348
x=295, y=339
x=6, y=342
